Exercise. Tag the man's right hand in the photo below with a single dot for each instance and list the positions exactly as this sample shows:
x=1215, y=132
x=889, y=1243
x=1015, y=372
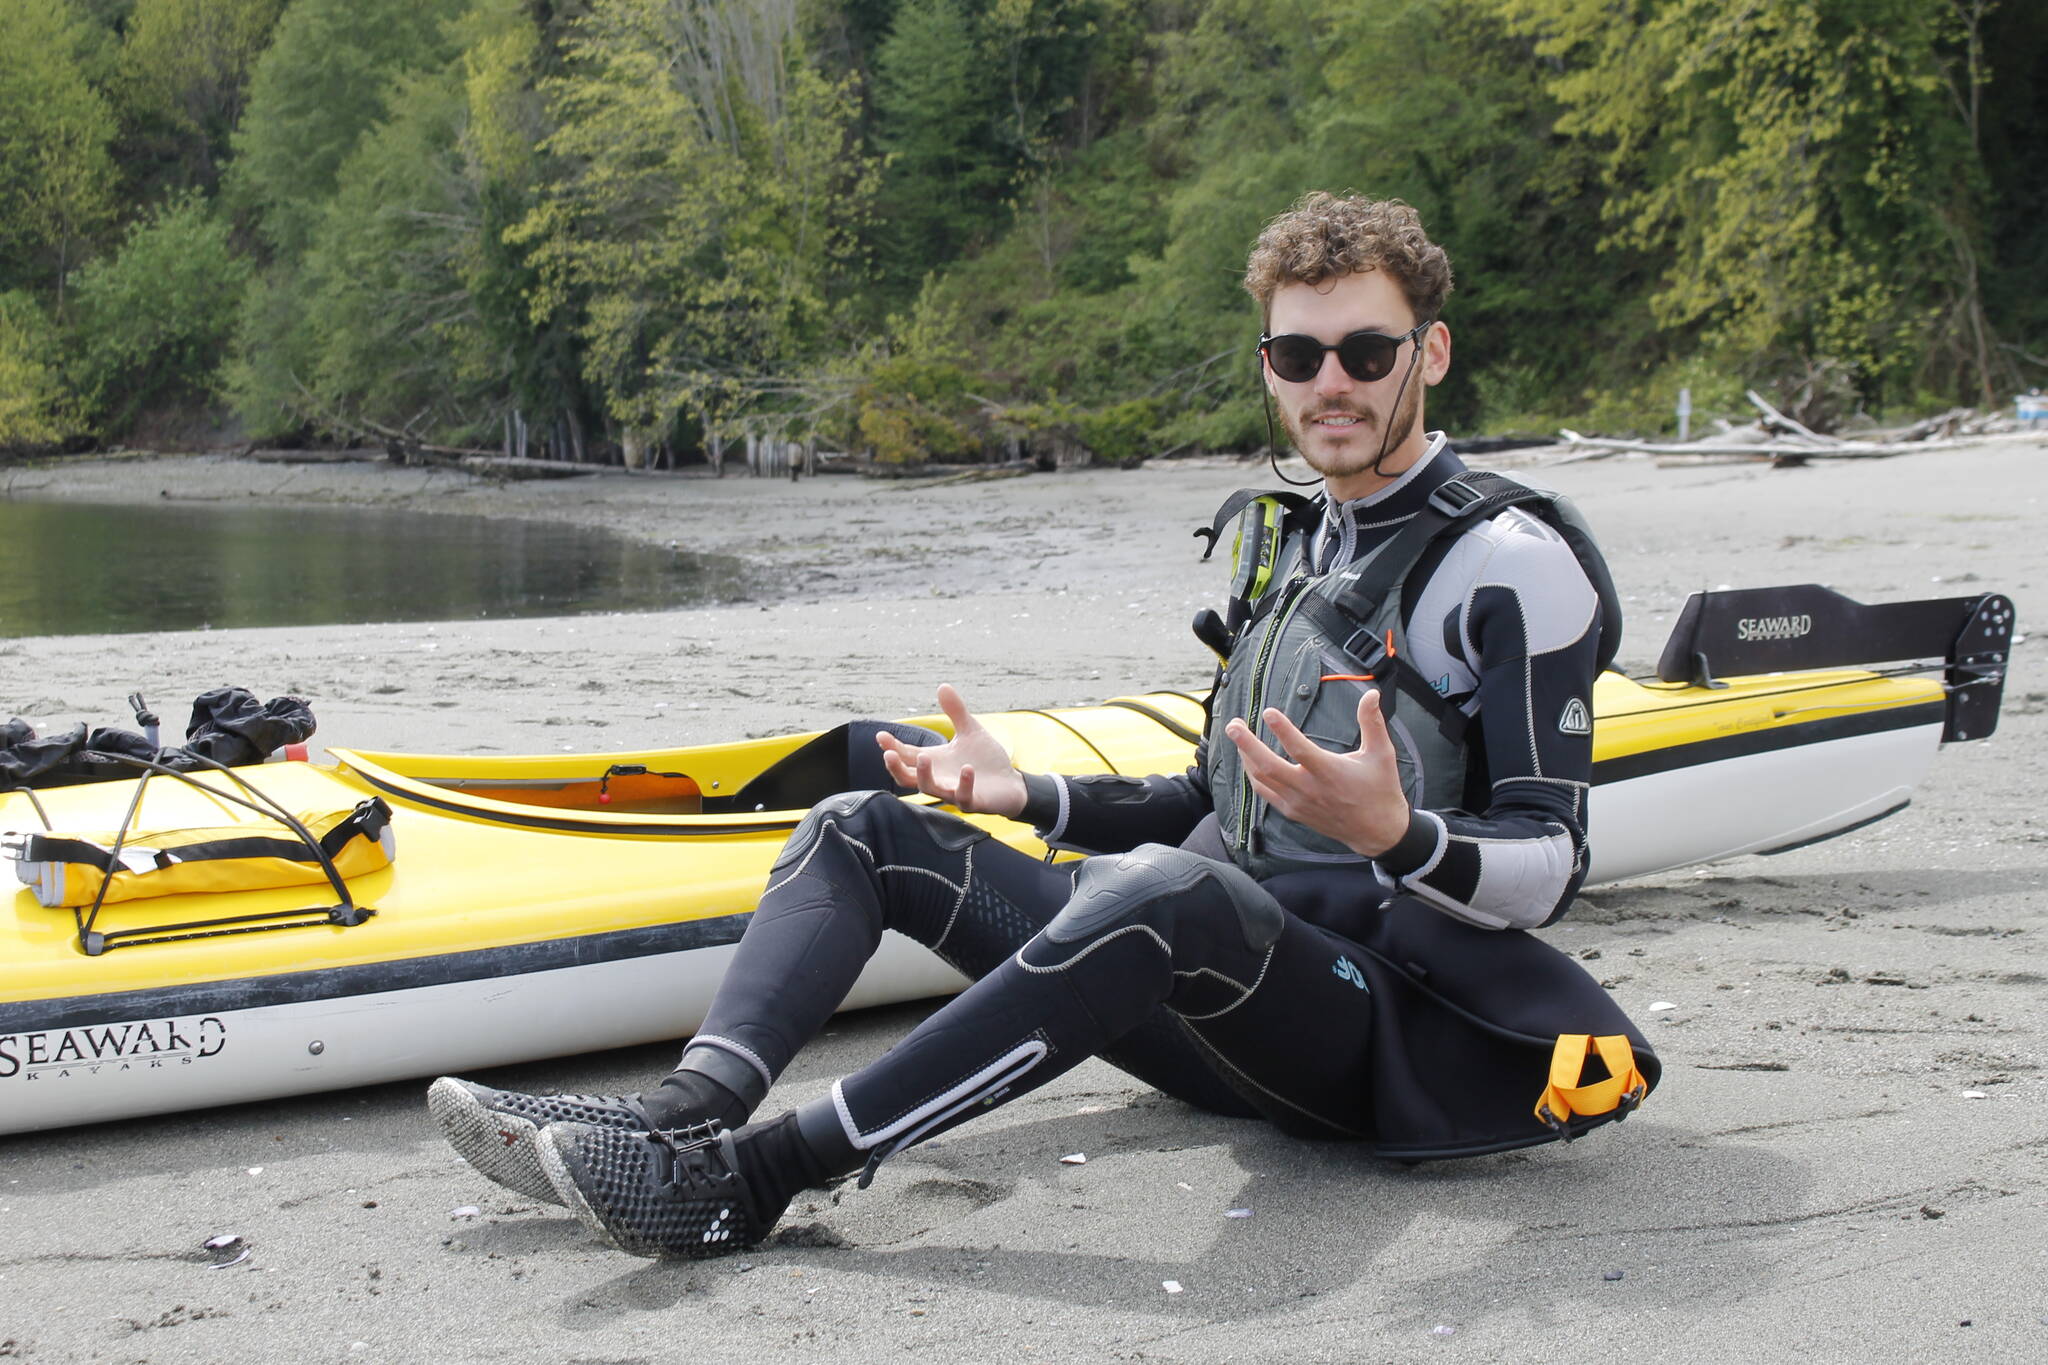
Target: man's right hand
x=971, y=771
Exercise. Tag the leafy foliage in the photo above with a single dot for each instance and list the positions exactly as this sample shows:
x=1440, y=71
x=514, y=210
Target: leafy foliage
x=328, y=75
x=705, y=207
x=56, y=174
x=153, y=320
x=1795, y=164
x=942, y=229
x=36, y=407
x=183, y=82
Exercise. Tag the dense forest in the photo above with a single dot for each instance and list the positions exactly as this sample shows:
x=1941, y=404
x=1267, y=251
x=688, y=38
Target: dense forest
x=950, y=229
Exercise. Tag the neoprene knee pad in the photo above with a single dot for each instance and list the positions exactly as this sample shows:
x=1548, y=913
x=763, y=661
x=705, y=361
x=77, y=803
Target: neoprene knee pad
x=843, y=810
x=878, y=819
x=1153, y=879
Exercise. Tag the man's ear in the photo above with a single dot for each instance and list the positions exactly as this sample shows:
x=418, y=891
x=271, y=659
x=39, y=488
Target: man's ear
x=1436, y=353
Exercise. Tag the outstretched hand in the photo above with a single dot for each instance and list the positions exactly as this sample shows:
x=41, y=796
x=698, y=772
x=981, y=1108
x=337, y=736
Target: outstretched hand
x=971, y=771
x=1354, y=798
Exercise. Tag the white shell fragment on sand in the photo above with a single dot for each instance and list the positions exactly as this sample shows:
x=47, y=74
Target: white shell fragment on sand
x=1237, y=1213
x=1074, y=1159
x=1656, y=1005
x=466, y=1211
x=1170, y=1286
x=222, y=1242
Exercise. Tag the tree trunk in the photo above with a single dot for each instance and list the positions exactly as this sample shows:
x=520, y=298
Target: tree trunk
x=576, y=442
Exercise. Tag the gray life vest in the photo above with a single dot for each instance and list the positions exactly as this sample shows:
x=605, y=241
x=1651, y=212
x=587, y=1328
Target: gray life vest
x=1309, y=645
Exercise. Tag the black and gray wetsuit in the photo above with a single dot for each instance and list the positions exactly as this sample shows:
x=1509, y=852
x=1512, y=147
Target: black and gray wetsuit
x=1369, y=1001
x=1505, y=626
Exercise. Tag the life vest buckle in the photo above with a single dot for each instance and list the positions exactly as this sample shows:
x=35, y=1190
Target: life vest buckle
x=1453, y=496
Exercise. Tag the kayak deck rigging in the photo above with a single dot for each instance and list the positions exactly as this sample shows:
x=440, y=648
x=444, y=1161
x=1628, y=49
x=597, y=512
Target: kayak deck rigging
x=93, y=941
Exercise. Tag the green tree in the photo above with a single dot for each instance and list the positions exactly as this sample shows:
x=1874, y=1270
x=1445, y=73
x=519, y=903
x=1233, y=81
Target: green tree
x=706, y=209
x=36, y=406
x=935, y=124
x=975, y=107
x=421, y=304
x=56, y=175
x=1798, y=167
x=184, y=80
x=153, y=320
x=326, y=77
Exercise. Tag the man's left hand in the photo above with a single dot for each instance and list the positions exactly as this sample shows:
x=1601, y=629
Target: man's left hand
x=1354, y=798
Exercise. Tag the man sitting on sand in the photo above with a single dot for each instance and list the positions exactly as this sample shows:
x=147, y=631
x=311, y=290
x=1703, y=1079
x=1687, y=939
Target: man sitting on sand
x=1309, y=926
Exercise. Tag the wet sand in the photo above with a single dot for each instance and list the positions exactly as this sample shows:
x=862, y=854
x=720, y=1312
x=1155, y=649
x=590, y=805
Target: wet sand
x=1847, y=1158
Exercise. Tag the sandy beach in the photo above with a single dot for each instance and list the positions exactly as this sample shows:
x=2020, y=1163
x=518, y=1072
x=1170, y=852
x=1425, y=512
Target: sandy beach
x=1848, y=1158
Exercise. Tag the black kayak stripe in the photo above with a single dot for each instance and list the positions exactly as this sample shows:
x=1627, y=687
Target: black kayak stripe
x=1172, y=726
x=369, y=978
x=665, y=826
x=1766, y=741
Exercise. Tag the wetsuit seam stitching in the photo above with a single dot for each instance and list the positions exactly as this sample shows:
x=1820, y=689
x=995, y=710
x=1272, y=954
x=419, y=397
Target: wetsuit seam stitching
x=1248, y=1079
x=827, y=826
x=1436, y=856
x=1145, y=929
x=951, y=885
x=1482, y=841
x=1244, y=992
x=966, y=880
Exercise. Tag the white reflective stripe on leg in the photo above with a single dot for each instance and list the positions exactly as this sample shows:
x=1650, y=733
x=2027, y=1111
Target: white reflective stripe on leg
x=913, y=1124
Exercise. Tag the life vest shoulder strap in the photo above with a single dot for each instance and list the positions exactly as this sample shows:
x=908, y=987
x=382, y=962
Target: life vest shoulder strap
x=1381, y=662
x=1462, y=502
x=1212, y=534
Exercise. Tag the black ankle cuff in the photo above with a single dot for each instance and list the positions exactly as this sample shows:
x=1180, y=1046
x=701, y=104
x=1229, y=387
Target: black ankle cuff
x=733, y=1073
x=685, y=1098
x=824, y=1138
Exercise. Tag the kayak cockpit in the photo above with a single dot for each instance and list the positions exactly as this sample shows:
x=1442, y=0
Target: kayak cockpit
x=754, y=785
x=770, y=777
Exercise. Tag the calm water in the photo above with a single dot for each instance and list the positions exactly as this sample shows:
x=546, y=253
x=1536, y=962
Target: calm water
x=79, y=568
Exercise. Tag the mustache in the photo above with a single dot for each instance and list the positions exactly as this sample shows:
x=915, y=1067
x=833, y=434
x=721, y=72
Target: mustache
x=1367, y=417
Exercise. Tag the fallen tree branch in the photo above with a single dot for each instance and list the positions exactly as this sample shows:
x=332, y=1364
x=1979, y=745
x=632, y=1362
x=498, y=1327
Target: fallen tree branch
x=1595, y=447
x=1774, y=418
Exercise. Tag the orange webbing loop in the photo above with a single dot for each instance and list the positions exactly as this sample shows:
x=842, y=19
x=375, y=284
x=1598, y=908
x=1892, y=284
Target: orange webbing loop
x=1565, y=1098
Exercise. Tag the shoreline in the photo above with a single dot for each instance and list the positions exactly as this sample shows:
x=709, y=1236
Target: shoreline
x=1815, y=1179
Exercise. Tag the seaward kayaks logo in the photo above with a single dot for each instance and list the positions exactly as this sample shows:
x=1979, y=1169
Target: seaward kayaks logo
x=1773, y=627
x=137, y=1045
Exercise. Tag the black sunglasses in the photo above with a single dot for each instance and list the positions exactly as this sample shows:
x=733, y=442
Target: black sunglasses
x=1365, y=356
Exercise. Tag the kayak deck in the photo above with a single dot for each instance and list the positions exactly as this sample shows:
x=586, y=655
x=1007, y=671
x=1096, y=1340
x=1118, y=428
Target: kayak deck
x=524, y=916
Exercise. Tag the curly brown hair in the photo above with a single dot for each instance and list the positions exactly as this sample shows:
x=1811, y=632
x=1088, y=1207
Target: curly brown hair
x=1323, y=236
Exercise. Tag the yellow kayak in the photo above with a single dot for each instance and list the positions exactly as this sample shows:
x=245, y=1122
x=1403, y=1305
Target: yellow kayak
x=526, y=907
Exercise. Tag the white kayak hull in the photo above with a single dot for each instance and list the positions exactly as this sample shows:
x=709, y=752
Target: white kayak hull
x=91, y=1073
x=1756, y=803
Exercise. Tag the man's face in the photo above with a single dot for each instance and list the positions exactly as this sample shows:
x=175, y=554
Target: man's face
x=1337, y=423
